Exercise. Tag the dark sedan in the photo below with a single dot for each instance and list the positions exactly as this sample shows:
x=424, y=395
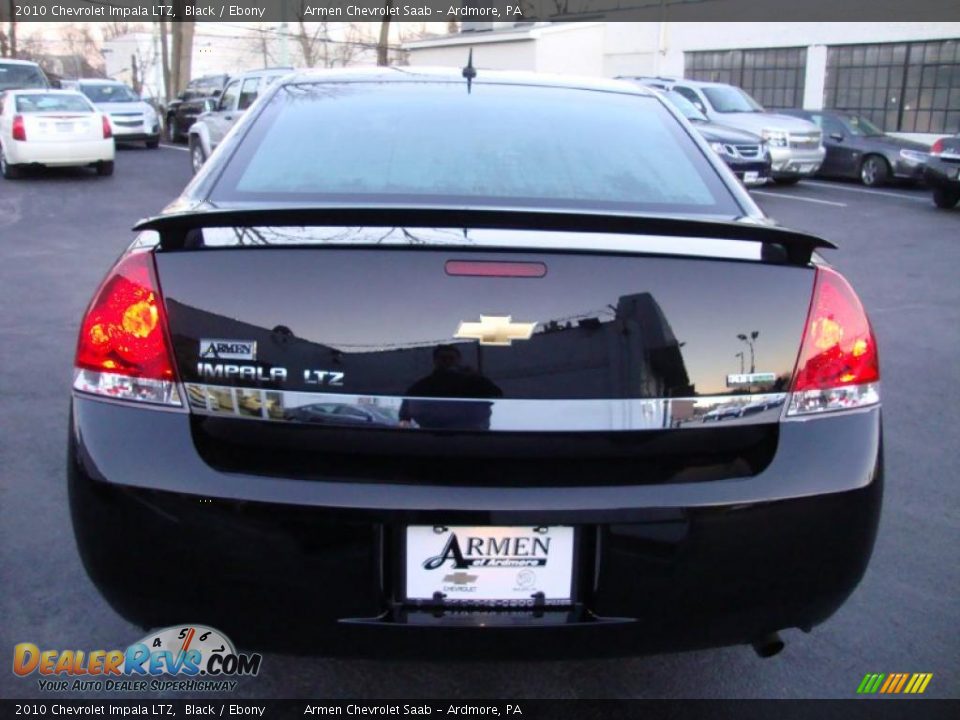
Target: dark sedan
x=545, y=310
x=184, y=110
x=943, y=172
x=744, y=153
x=858, y=149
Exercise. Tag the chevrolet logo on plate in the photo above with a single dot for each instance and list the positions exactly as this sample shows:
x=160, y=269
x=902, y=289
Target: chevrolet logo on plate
x=495, y=330
x=460, y=578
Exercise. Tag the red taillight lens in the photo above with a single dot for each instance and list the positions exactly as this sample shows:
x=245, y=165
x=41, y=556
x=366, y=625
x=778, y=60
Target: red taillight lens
x=838, y=366
x=937, y=147
x=107, y=130
x=18, y=129
x=123, y=349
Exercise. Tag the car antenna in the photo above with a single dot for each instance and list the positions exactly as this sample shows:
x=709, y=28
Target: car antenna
x=469, y=72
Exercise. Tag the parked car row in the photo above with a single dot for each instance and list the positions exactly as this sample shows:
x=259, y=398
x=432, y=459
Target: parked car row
x=795, y=143
x=758, y=146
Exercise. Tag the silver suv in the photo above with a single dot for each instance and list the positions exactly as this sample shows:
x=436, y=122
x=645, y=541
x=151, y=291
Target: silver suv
x=221, y=112
x=796, y=145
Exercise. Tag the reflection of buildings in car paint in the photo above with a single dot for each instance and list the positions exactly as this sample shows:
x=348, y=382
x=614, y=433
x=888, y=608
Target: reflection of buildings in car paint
x=633, y=354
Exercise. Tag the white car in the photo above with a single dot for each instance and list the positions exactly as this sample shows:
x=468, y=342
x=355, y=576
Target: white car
x=222, y=112
x=133, y=119
x=54, y=128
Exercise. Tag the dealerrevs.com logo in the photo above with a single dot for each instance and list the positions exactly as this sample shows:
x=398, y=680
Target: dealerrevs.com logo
x=199, y=657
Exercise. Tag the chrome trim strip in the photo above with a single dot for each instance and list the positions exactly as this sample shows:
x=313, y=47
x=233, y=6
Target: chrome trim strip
x=482, y=239
x=493, y=414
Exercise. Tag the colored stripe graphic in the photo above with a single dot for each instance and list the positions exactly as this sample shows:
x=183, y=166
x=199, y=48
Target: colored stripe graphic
x=912, y=683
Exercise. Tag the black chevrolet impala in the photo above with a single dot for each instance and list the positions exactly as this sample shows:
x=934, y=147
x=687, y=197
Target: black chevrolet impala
x=503, y=363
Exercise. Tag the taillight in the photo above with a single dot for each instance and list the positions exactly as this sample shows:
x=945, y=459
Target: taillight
x=19, y=130
x=937, y=147
x=107, y=130
x=123, y=351
x=837, y=368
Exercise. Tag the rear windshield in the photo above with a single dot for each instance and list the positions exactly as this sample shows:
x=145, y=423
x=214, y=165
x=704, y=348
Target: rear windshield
x=52, y=103
x=108, y=93
x=499, y=145
x=21, y=76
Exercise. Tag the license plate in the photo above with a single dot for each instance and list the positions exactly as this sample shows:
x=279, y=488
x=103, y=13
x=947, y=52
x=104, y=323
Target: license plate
x=751, y=177
x=64, y=127
x=485, y=564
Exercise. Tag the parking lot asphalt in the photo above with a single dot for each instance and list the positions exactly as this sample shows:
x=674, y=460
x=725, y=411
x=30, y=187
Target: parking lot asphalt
x=60, y=230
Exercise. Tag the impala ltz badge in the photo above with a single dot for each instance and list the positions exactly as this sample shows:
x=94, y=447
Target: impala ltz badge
x=228, y=349
x=495, y=330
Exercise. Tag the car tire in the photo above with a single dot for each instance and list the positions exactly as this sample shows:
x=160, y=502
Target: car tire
x=9, y=172
x=197, y=156
x=105, y=168
x=173, y=130
x=874, y=171
x=786, y=180
x=945, y=198
x=153, y=144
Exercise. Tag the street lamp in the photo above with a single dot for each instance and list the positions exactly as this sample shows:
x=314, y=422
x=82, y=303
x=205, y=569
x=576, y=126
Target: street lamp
x=740, y=355
x=749, y=341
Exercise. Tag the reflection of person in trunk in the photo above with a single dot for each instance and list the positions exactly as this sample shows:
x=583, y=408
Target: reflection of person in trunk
x=450, y=379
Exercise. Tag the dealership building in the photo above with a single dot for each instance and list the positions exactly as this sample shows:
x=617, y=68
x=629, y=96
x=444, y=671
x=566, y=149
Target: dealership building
x=904, y=76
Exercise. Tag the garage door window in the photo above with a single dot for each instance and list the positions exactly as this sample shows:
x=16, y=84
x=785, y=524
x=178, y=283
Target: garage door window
x=773, y=76
x=906, y=87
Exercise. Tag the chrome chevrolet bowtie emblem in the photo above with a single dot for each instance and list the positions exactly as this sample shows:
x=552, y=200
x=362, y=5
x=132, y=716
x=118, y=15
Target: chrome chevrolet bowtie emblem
x=460, y=578
x=495, y=330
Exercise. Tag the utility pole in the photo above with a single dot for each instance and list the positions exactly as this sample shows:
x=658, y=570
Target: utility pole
x=284, y=35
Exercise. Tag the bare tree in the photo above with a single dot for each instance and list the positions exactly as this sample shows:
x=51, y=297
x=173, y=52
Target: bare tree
x=8, y=38
x=181, y=48
x=262, y=41
x=383, y=45
x=83, y=49
x=112, y=30
x=324, y=44
x=313, y=39
x=165, y=62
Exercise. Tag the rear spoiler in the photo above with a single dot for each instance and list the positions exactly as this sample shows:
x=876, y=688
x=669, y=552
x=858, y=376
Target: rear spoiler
x=779, y=244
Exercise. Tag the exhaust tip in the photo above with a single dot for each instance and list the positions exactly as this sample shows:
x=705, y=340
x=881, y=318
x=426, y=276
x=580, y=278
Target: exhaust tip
x=769, y=645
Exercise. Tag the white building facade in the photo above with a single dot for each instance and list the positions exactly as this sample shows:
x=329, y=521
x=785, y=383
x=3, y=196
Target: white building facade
x=905, y=76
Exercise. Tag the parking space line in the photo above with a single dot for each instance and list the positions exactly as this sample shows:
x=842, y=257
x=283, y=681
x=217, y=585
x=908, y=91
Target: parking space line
x=797, y=197
x=864, y=191
x=174, y=147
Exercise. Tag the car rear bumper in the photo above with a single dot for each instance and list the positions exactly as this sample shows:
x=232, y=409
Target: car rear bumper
x=136, y=135
x=659, y=567
x=55, y=154
x=904, y=170
x=941, y=173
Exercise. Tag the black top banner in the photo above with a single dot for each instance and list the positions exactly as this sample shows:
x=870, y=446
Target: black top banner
x=490, y=709
x=480, y=10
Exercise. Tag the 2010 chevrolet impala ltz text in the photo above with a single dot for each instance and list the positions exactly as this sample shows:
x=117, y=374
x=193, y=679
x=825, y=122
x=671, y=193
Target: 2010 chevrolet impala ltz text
x=499, y=357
